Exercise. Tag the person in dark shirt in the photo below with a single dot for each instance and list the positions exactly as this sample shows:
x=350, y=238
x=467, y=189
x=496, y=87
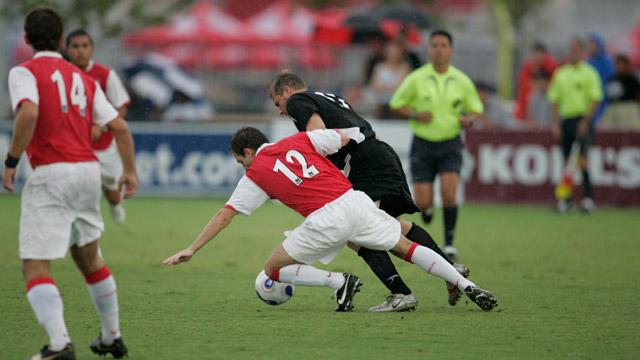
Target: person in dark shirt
x=623, y=95
x=372, y=166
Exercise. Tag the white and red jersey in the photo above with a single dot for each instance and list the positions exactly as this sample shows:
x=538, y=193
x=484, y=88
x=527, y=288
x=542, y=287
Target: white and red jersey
x=295, y=171
x=116, y=94
x=69, y=102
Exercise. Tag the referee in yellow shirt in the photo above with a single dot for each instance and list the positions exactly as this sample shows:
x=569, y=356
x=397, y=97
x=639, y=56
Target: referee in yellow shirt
x=575, y=93
x=439, y=100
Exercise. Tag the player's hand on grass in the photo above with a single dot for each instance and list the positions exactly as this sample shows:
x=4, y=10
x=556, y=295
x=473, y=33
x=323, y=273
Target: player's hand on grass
x=9, y=178
x=180, y=257
x=130, y=184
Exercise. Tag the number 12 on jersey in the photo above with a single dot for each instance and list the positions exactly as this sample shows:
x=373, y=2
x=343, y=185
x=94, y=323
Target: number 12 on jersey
x=307, y=171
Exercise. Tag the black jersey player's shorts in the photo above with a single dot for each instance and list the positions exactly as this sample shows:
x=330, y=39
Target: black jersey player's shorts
x=429, y=159
x=376, y=170
x=569, y=136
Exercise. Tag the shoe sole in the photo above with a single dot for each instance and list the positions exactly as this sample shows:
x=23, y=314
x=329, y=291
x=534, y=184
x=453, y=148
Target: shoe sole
x=485, y=303
x=348, y=306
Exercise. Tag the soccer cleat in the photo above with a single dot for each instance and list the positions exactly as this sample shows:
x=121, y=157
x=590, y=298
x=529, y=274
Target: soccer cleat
x=451, y=252
x=344, y=295
x=454, y=293
x=118, y=349
x=117, y=213
x=587, y=205
x=397, y=303
x=427, y=216
x=563, y=206
x=65, y=354
x=481, y=297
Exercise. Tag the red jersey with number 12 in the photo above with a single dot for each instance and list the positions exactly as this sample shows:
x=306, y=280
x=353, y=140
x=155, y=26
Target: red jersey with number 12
x=65, y=105
x=293, y=172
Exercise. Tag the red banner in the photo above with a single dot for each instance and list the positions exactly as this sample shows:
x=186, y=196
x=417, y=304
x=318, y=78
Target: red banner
x=519, y=166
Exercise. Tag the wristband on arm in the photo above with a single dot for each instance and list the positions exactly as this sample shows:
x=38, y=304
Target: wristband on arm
x=11, y=162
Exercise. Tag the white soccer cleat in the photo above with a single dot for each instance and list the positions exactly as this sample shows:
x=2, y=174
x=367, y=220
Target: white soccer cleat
x=587, y=205
x=117, y=213
x=451, y=252
x=396, y=303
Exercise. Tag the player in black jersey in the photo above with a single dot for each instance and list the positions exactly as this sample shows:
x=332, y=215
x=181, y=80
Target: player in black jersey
x=373, y=167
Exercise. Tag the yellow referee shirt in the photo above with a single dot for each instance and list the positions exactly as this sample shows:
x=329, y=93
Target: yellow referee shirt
x=574, y=88
x=445, y=95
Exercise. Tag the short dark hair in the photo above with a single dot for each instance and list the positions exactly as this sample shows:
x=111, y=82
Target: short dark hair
x=539, y=46
x=247, y=138
x=43, y=27
x=622, y=58
x=286, y=78
x=75, y=33
x=442, y=33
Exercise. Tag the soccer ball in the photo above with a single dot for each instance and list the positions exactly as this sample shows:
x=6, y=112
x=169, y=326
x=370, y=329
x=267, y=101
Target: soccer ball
x=273, y=292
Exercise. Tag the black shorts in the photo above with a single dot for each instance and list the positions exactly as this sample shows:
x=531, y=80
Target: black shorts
x=376, y=170
x=431, y=158
x=569, y=136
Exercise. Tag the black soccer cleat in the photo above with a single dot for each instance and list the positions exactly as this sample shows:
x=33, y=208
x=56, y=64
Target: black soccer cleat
x=118, y=349
x=427, y=216
x=454, y=293
x=68, y=353
x=344, y=295
x=484, y=299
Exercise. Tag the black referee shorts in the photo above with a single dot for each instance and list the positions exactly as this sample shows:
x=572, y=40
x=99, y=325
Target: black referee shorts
x=569, y=135
x=428, y=159
x=377, y=171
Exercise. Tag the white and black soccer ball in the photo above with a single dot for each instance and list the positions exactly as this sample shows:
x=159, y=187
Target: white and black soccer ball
x=273, y=292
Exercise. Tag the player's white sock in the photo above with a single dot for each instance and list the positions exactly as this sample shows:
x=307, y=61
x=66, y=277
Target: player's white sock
x=429, y=261
x=46, y=302
x=307, y=275
x=103, y=291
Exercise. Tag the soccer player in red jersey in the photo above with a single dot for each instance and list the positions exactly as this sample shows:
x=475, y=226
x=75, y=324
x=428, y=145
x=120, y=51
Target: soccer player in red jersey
x=79, y=48
x=55, y=106
x=296, y=172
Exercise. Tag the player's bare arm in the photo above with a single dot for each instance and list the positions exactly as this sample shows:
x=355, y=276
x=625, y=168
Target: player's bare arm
x=25, y=124
x=217, y=223
x=555, y=121
x=121, y=133
x=585, y=122
x=315, y=122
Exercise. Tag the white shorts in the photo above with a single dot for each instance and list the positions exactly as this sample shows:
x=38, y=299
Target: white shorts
x=60, y=208
x=110, y=166
x=352, y=217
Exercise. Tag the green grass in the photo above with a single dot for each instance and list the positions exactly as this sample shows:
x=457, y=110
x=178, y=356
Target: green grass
x=568, y=289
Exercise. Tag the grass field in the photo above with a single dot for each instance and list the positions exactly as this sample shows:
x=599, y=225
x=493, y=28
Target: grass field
x=567, y=287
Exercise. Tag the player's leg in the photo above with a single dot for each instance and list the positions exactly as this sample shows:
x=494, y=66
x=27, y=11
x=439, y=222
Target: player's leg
x=44, y=236
x=424, y=170
x=449, y=186
x=587, y=203
x=104, y=294
x=283, y=268
x=568, y=129
x=46, y=302
x=110, y=171
x=434, y=264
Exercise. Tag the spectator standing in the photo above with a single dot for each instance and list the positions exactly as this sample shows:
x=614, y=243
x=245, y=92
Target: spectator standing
x=575, y=93
x=439, y=100
x=494, y=115
x=387, y=76
x=539, y=109
x=540, y=60
x=623, y=95
x=601, y=61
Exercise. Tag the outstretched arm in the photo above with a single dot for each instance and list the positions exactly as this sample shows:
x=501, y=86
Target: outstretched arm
x=218, y=222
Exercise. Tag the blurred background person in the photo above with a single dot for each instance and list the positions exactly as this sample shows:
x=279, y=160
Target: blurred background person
x=439, y=101
x=623, y=95
x=539, y=108
x=541, y=59
x=601, y=61
x=79, y=49
x=575, y=93
x=387, y=76
x=495, y=115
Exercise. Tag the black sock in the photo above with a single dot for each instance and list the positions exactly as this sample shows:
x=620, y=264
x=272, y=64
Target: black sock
x=450, y=217
x=381, y=265
x=586, y=184
x=422, y=237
